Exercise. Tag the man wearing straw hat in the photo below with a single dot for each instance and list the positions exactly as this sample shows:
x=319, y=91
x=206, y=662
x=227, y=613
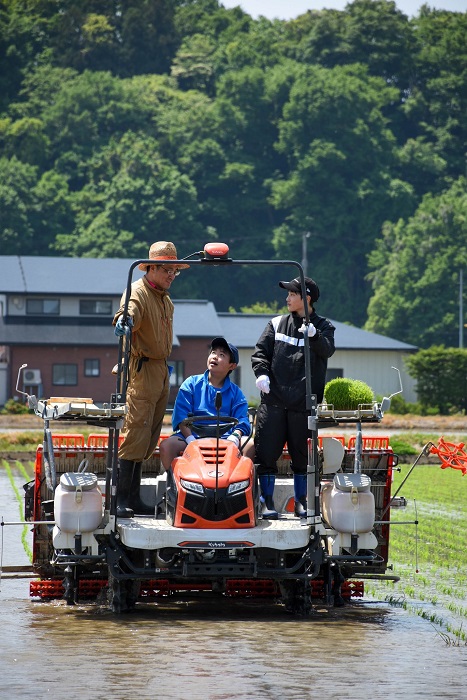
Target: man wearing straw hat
x=150, y=321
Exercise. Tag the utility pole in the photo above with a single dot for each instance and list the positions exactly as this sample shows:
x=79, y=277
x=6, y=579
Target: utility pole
x=305, y=236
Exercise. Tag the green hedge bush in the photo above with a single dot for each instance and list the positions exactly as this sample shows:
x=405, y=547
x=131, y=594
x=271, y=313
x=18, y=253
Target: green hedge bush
x=15, y=407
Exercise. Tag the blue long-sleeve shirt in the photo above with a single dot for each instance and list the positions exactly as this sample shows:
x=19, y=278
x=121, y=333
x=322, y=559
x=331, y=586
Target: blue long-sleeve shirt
x=197, y=397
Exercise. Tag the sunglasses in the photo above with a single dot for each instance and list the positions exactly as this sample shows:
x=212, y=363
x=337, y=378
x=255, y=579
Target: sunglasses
x=170, y=270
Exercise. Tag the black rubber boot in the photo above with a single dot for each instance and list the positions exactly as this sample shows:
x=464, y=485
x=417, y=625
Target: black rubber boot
x=299, y=481
x=125, y=477
x=135, y=502
x=267, y=507
x=300, y=507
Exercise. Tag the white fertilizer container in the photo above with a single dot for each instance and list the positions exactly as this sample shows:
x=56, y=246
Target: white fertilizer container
x=347, y=503
x=78, y=503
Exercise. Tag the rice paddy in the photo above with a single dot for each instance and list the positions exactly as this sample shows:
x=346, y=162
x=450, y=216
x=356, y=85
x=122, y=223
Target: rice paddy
x=430, y=555
x=26, y=471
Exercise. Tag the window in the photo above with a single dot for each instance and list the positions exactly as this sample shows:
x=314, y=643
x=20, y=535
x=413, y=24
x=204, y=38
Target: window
x=41, y=307
x=95, y=307
x=333, y=374
x=178, y=374
x=92, y=368
x=65, y=375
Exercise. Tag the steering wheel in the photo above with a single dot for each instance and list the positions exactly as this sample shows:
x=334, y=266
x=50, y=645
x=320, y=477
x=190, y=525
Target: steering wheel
x=207, y=426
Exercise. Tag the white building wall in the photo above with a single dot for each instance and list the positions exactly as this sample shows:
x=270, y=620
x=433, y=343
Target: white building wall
x=374, y=368
x=370, y=366
x=247, y=378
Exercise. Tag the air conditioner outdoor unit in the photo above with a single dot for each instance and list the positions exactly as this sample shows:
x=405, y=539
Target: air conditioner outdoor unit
x=32, y=376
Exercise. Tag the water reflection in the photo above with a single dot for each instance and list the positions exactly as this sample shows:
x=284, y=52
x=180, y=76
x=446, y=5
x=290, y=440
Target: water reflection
x=222, y=649
x=214, y=649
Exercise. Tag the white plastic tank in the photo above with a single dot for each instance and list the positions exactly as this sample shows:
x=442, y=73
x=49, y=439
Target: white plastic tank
x=78, y=502
x=347, y=503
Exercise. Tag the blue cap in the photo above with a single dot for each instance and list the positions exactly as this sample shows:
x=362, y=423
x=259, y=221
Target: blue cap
x=222, y=343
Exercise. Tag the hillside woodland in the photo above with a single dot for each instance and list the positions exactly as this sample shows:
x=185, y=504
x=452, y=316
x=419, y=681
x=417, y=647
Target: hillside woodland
x=342, y=133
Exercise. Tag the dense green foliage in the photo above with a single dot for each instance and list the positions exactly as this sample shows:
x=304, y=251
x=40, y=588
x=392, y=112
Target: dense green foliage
x=14, y=407
x=126, y=122
x=416, y=271
x=441, y=376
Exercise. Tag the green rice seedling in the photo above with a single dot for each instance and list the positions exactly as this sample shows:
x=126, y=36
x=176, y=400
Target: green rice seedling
x=458, y=633
x=427, y=615
x=449, y=641
x=460, y=610
x=396, y=601
x=24, y=532
x=437, y=499
x=445, y=637
x=447, y=590
x=409, y=590
x=452, y=607
x=347, y=394
x=27, y=473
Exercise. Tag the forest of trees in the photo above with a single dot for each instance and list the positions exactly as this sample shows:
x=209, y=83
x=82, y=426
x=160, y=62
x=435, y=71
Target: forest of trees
x=123, y=122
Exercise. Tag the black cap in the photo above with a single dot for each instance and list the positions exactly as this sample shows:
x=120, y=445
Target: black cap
x=311, y=287
x=222, y=343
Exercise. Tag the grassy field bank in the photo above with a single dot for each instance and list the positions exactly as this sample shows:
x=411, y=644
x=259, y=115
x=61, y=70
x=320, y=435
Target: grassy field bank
x=408, y=434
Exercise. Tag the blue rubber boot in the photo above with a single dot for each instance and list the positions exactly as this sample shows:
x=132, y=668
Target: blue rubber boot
x=266, y=483
x=299, y=485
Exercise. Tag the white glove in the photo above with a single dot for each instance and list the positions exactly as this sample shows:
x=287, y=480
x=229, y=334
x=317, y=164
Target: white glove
x=311, y=330
x=189, y=439
x=262, y=383
x=233, y=438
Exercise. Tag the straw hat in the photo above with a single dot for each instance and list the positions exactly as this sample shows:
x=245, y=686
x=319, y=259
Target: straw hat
x=163, y=250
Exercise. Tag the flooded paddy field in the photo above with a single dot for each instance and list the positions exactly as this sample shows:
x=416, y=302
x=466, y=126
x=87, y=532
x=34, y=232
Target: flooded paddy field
x=403, y=640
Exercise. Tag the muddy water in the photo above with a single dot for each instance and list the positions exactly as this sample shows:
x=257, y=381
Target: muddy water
x=214, y=649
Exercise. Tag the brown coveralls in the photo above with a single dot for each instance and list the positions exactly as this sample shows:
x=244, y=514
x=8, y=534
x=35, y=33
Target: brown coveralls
x=148, y=387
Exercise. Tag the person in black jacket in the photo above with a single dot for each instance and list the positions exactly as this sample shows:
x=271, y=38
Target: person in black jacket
x=278, y=363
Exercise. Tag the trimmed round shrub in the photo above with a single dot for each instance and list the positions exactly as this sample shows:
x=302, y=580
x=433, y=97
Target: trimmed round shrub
x=347, y=394
x=15, y=407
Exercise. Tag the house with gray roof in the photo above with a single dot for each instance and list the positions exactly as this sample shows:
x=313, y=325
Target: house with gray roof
x=359, y=355
x=55, y=317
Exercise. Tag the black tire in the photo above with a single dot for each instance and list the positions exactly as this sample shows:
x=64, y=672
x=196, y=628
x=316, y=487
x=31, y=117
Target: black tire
x=69, y=593
x=133, y=588
x=123, y=594
x=117, y=595
x=296, y=596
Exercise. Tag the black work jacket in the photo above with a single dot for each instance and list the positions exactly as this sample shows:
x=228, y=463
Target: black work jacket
x=279, y=353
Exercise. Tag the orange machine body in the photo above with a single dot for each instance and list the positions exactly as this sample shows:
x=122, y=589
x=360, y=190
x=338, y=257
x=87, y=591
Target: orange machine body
x=215, y=486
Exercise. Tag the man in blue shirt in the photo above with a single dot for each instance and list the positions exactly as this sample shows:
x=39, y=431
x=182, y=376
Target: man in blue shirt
x=197, y=397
